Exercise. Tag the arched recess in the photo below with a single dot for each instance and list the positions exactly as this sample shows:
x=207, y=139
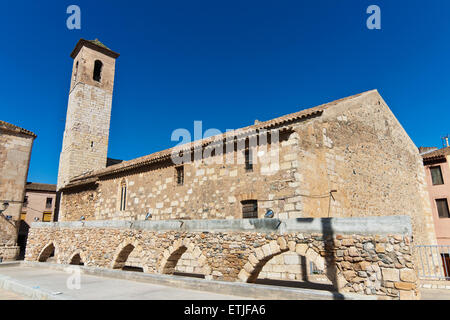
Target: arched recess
x=121, y=256
x=258, y=259
x=48, y=252
x=172, y=255
x=77, y=258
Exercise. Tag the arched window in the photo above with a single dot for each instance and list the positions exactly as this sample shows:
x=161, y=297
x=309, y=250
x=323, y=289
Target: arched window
x=123, y=195
x=98, y=70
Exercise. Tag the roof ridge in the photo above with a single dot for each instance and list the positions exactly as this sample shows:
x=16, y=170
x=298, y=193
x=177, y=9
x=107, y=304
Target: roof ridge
x=159, y=155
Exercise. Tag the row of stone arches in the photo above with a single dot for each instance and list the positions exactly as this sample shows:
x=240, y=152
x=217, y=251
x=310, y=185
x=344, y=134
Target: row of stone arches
x=171, y=258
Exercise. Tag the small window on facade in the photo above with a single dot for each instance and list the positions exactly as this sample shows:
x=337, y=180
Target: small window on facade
x=98, y=70
x=436, y=175
x=25, y=201
x=248, y=160
x=47, y=217
x=123, y=195
x=48, y=203
x=442, y=207
x=180, y=175
x=249, y=209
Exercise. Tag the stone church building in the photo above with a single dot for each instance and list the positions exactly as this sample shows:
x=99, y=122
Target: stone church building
x=349, y=158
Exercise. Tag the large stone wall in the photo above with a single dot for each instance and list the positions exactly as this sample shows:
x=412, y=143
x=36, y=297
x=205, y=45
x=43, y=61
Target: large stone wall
x=356, y=147
x=15, y=153
x=364, y=255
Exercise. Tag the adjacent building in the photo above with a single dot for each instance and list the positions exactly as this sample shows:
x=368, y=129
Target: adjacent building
x=437, y=172
x=15, y=152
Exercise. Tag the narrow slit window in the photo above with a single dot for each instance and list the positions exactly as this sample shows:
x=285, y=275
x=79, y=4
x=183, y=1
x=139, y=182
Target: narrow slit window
x=47, y=217
x=98, y=65
x=76, y=71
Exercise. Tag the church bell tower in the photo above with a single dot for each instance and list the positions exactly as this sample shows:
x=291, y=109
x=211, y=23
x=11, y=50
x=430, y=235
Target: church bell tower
x=85, y=141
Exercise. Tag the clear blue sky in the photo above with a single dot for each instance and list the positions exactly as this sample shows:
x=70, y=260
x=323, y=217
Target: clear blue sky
x=226, y=63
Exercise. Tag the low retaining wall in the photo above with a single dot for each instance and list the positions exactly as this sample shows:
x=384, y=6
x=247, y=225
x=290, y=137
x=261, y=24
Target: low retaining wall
x=369, y=256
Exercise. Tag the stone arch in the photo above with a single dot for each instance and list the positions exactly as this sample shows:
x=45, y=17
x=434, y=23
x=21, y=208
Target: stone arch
x=77, y=258
x=171, y=256
x=47, y=252
x=263, y=254
x=123, y=252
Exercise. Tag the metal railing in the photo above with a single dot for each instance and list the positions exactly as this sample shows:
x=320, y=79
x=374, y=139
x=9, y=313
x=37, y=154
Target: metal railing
x=434, y=262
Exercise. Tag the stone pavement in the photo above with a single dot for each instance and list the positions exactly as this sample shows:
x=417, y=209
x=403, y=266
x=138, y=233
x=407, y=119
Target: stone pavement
x=95, y=287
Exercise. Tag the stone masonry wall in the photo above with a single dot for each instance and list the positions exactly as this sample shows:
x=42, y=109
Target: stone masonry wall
x=372, y=264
